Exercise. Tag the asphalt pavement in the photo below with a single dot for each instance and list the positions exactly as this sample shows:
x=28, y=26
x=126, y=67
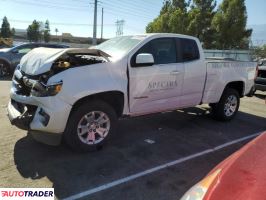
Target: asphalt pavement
x=140, y=144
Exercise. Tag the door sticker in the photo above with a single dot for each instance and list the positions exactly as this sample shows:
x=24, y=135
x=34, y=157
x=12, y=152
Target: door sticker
x=162, y=85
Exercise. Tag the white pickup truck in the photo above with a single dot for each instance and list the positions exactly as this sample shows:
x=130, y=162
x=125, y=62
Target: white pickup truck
x=80, y=93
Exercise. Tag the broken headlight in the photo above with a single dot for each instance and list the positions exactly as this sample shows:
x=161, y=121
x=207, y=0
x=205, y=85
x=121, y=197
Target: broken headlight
x=41, y=90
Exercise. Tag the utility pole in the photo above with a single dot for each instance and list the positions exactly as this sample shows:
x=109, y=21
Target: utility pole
x=102, y=26
x=94, y=40
x=56, y=31
x=119, y=27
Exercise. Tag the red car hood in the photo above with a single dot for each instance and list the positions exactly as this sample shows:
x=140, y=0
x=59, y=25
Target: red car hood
x=243, y=175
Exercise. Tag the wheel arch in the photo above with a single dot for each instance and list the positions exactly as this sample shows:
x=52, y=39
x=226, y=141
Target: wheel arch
x=239, y=86
x=114, y=98
x=5, y=61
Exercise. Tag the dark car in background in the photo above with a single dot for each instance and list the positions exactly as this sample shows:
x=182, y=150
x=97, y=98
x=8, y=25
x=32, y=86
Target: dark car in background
x=10, y=57
x=260, y=81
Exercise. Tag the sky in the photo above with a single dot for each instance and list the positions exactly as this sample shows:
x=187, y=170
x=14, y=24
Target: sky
x=76, y=16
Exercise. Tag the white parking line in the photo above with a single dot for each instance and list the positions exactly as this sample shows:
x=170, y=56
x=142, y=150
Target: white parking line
x=155, y=169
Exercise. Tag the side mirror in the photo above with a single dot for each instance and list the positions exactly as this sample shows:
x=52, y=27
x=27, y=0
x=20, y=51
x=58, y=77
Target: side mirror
x=144, y=59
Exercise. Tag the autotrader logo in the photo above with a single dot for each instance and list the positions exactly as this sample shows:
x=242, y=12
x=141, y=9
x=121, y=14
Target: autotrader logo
x=27, y=193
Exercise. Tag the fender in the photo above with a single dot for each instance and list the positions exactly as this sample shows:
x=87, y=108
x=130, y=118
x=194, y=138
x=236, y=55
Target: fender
x=234, y=85
x=89, y=80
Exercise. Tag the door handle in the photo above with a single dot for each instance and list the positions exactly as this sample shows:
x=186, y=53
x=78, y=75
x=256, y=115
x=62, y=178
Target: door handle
x=175, y=73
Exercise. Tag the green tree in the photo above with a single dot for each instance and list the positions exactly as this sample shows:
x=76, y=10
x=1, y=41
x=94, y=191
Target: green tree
x=161, y=23
x=200, y=19
x=33, y=32
x=166, y=7
x=46, y=33
x=13, y=32
x=172, y=18
x=178, y=21
x=5, y=28
x=181, y=4
x=260, y=51
x=229, y=24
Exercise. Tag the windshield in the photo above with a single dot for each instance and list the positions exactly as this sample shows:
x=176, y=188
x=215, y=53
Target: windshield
x=17, y=46
x=120, y=46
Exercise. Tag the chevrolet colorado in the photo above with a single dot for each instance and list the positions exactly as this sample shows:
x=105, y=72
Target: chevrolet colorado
x=80, y=93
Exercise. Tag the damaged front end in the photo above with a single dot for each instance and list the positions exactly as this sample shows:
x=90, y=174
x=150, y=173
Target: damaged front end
x=21, y=114
x=78, y=58
x=33, y=79
x=33, y=104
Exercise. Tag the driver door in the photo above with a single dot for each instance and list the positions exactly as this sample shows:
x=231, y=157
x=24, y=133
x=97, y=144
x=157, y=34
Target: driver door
x=158, y=87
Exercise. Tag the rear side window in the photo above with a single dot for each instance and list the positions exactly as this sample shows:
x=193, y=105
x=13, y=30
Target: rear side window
x=190, y=50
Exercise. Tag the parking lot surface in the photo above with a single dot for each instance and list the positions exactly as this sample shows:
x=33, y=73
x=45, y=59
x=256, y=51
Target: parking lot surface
x=140, y=143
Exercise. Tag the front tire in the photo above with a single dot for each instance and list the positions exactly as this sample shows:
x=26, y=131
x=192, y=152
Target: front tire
x=90, y=126
x=227, y=107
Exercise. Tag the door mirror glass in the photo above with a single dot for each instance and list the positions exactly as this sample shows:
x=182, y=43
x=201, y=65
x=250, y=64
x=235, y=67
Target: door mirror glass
x=144, y=59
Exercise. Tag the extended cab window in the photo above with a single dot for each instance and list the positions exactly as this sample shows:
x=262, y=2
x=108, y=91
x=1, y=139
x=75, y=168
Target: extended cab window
x=190, y=50
x=162, y=49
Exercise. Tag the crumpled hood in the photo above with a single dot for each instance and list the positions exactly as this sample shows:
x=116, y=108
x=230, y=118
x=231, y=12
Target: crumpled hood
x=40, y=60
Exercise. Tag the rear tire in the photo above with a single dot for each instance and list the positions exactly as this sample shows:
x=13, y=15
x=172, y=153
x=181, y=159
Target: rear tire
x=227, y=107
x=252, y=92
x=90, y=126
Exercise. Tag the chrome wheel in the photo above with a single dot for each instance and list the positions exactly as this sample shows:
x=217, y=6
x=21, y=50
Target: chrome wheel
x=230, y=105
x=93, y=127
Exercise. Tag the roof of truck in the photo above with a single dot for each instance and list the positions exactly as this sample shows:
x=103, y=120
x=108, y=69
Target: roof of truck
x=165, y=35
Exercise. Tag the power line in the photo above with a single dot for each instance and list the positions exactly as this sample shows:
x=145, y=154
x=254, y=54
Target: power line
x=53, y=3
x=129, y=10
x=123, y=14
x=134, y=28
x=23, y=2
x=136, y=6
x=120, y=10
x=124, y=10
x=57, y=23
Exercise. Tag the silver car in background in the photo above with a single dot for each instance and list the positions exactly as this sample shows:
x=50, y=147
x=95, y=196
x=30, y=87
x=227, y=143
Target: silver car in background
x=10, y=57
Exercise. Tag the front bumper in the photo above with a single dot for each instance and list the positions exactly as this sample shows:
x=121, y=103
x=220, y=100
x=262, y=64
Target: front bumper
x=260, y=83
x=260, y=87
x=19, y=117
x=23, y=120
x=41, y=116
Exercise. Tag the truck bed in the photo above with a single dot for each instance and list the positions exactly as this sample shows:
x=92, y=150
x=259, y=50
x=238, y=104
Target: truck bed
x=221, y=71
